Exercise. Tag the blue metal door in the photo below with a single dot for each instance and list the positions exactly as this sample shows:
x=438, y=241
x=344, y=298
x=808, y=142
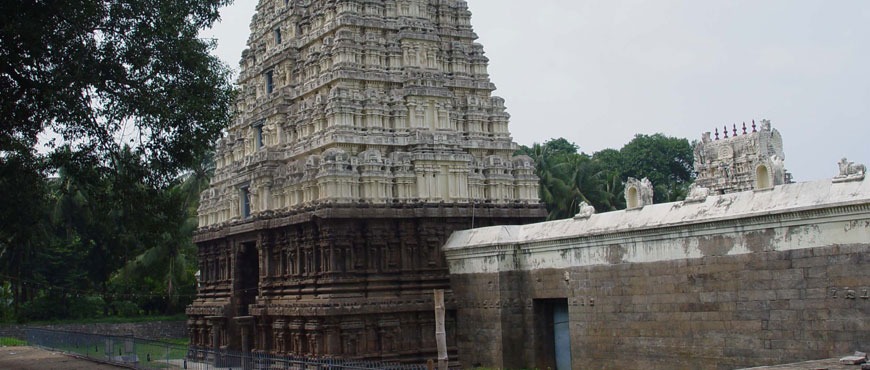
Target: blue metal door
x=562, y=334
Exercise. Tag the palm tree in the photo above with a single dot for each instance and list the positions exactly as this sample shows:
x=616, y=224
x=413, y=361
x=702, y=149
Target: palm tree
x=169, y=262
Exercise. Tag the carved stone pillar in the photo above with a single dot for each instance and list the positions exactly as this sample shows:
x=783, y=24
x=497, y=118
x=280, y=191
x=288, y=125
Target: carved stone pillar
x=217, y=324
x=279, y=331
x=246, y=327
x=333, y=340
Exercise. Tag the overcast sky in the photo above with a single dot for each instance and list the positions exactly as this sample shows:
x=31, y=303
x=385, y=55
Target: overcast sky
x=599, y=72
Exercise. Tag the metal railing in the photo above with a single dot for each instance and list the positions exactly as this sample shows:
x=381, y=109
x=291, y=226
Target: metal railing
x=139, y=353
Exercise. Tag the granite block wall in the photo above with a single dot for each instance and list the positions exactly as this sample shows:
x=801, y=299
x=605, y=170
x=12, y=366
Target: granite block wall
x=145, y=330
x=716, y=312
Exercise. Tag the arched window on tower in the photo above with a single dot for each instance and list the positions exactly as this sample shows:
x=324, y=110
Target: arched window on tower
x=762, y=178
x=633, y=198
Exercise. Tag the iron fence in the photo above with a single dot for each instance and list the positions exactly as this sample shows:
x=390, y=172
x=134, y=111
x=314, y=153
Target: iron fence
x=139, y=353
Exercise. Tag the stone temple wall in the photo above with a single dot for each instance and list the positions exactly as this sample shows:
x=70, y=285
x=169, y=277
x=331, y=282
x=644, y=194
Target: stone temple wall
x=728, y=281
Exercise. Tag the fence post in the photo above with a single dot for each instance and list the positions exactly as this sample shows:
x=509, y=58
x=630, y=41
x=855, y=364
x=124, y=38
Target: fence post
x=109, y=350
x=129, y=348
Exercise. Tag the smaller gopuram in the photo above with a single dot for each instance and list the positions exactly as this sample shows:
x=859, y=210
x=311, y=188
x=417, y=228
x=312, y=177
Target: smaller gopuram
x=742, y=159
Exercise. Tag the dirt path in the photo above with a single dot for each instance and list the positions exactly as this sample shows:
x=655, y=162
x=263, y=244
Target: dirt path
x=29, y=358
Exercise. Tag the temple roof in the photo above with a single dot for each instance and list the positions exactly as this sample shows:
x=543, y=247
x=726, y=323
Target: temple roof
x=782, y=199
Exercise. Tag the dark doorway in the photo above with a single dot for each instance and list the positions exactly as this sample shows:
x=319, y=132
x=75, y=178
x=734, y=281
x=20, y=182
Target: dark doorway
x=553, y=347
x=247, y=278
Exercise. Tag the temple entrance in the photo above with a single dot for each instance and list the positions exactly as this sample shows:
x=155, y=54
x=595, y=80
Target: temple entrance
x=246, y=287
x=554, y=333
x=562, y=334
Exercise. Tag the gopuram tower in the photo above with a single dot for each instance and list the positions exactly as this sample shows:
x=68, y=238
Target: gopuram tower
x=741, y=160
x=365, y=134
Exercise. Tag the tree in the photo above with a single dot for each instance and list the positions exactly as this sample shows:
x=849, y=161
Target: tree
x=167, y=264
x=569, y=177
x=24, y=215
x=609, y=162
x=666, y=161
x=555, y=189
x=126, y=98
x=105, y=74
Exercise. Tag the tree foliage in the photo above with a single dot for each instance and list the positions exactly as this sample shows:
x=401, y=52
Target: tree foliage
x=666, y=161
x=569, y=177
x=105, y=75
x=107, y=107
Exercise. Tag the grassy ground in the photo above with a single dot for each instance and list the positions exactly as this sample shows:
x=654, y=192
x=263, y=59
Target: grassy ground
x=159, y=351
x=11, y=342
x=149, y=353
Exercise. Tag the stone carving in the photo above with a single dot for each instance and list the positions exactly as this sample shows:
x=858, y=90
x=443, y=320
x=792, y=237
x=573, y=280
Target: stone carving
x=638, y=193
x=777, y=166
x=697, y=194
x=412, y=82
x=732, y=164
x=850, y=171
x=365, y=134
x=586, y=211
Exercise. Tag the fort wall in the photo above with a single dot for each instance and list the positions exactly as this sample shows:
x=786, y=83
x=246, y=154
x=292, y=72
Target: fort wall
x=729, y=281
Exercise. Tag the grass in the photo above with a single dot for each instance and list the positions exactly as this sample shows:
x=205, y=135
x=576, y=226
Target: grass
x=11, y=342
x=177, y=341
x=157, y=352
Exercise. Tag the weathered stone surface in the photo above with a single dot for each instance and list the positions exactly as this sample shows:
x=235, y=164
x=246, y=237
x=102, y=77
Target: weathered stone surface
x=638, y=193
x=366, y=133
x=850, y=171
x=792, y=216
x=352, y=101
x=855, y=359
x=827, y=364
x=155, y=330
x=737, y=280
x=740, y=161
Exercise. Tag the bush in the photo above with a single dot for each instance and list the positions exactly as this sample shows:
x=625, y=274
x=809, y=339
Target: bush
x=7, y=313
x=85, y=307
x=55, y=307
x=125, y=309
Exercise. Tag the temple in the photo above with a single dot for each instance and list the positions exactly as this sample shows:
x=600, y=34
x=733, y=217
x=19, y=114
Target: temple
x=717, y=281
x=365, y=133
x=742, y=159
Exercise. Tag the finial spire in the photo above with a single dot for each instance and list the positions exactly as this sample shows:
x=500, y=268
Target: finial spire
x=753, y=126
x=735, y=129
x=725, y=128
x=744, y=127
x=717, y=133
